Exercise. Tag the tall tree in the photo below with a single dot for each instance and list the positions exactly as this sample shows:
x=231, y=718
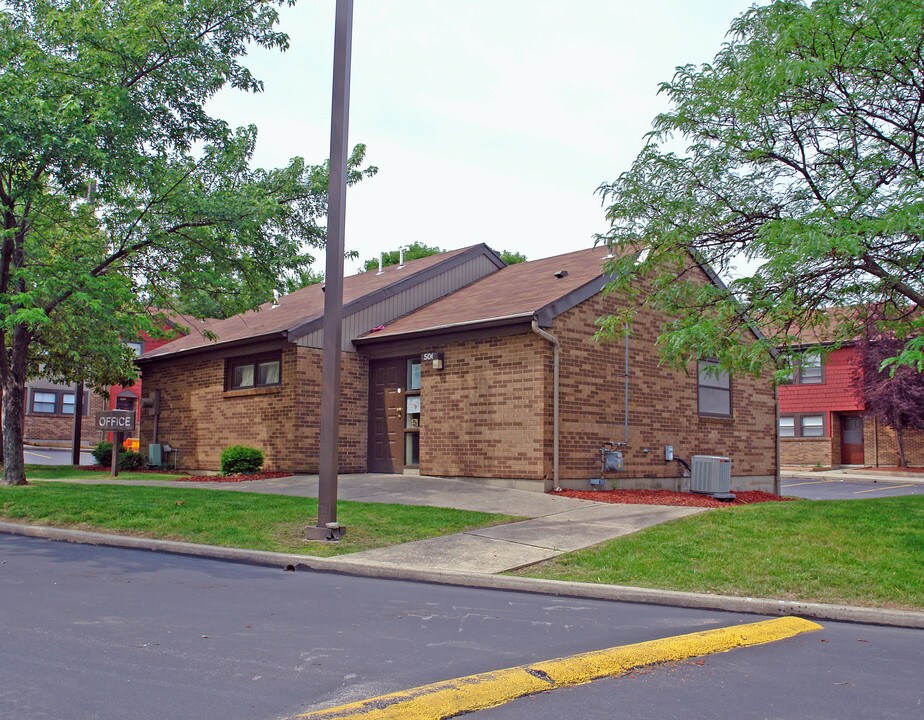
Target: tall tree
x=797, y=166
x=118, y=191
x=512, y=257
x=895, y=399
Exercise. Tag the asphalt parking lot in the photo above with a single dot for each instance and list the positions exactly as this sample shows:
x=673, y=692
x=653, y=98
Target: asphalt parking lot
x=830, y=489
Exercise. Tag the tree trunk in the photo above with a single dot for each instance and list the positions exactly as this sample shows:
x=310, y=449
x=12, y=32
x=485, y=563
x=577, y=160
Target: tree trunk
x=14, y=469
x=900, y=434
x=14, y=389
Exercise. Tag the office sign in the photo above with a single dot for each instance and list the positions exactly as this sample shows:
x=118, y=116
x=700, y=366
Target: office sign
x=116, y=421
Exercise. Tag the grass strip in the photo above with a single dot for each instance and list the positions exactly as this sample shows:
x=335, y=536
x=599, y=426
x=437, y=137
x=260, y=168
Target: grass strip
x=69, y=472
x=231, y=519
x=868, y=552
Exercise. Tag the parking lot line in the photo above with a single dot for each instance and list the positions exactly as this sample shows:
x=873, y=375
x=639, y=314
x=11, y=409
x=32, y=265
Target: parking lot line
x=449, y=698
x=813, y=482
x=877, y=489
x=30, y=452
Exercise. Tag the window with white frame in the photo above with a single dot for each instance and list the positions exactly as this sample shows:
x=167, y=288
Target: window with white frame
x=802, y=426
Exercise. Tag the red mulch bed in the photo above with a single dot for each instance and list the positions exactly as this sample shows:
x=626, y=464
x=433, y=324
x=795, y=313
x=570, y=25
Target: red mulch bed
x=233, y=478
x=197, y=478
x=669, y=497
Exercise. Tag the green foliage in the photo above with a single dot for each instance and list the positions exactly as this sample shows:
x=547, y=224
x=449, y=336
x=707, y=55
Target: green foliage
x=413, y=251
x=128, y=459
x=241, y=460
x=102, y=453
x=800, y=174
x=119, y=192
x=511, y=257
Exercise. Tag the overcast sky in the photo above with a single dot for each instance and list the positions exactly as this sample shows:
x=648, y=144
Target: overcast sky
x=490, y=120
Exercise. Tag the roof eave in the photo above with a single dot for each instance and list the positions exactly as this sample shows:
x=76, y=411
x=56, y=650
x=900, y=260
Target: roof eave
x=218, y=345
x=448, y=328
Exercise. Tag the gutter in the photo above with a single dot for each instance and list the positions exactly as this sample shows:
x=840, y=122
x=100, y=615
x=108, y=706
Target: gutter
x=556, y=362
x=215, y=345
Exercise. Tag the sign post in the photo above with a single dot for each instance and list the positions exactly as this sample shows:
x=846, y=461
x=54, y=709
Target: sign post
x=117, y=422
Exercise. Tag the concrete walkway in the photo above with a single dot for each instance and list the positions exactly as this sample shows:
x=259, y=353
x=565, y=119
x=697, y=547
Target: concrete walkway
x=854, y=474
x=556, y=524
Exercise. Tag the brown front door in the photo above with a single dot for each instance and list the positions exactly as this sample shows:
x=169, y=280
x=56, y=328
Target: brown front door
x=852, y=440
x=386, y=415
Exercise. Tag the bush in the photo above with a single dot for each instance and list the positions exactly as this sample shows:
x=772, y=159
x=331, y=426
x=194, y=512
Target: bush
x=241, y=460
x=128, y=459
x=102, y=453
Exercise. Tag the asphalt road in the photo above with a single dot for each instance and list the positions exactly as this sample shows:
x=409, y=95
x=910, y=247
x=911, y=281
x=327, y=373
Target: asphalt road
x=54, y=456
x=89, y=632
x=825, y=489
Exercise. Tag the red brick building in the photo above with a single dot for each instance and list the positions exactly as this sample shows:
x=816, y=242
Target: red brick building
x=822, y=422
x=457, y=365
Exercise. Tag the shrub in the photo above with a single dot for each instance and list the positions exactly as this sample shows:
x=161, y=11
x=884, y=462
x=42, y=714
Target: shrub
x=102, y=453
x=130, y=460
x=241, y=460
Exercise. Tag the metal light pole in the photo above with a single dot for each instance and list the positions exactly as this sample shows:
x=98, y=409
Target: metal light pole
x=328, y=528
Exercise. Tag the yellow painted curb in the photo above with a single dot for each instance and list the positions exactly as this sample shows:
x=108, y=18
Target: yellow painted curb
x=486, y=690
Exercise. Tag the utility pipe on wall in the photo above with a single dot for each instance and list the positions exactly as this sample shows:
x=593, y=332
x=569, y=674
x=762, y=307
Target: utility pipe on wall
x=556, y=361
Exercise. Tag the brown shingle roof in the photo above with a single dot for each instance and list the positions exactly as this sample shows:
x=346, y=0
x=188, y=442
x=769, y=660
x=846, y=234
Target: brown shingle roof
x=298, y=308
x=516, y=291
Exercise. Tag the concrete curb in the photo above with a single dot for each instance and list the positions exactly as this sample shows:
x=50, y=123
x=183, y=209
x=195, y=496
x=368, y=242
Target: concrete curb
x=758, y=606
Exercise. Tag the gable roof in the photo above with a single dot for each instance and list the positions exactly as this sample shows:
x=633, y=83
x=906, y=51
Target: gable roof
x=302, y=311
x=515, y=293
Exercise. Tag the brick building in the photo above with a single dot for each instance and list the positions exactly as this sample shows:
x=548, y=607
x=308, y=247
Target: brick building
x=49, y=407
x=822, y=422
x=450, y=368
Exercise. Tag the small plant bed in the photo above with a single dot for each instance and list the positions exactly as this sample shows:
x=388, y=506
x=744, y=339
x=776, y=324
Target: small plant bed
x=233, y=478
x=669, y=497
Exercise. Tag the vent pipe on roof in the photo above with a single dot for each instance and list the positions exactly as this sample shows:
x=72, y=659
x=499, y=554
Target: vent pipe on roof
x=400, y=257
x=380, y=264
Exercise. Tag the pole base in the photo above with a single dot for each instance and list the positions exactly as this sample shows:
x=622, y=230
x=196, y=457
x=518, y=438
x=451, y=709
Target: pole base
x=332, y=532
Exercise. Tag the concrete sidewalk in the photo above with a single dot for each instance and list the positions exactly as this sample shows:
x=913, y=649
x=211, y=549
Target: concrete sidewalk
x=556, y=524
x=854, y=474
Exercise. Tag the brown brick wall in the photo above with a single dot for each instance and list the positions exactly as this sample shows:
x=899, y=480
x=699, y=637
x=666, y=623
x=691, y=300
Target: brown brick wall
x=882, y=450
x=58, y=429
x=487, y=413
x=200, y=418
x=808, y=452
x=662, y=406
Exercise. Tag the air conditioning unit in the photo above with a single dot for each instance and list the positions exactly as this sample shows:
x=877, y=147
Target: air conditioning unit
x=711, y=475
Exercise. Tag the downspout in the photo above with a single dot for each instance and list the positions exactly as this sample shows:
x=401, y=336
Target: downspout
x=556, y=361
x=776, y=405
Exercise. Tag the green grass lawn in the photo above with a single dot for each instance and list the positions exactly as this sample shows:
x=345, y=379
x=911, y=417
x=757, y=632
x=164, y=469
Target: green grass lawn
x=235, y=519
x=69, y=472
x=858, y=552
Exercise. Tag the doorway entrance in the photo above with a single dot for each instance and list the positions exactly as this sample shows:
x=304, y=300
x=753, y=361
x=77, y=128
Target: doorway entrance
x=852, y=440
x=394, y=415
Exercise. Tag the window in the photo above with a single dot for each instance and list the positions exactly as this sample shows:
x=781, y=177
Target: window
x=812, y=426
x=135, y=347
x=257, y=371
x=714, y=389
x=807, y=369
x=802, y=426
x=55, y=402
x=787, y=427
